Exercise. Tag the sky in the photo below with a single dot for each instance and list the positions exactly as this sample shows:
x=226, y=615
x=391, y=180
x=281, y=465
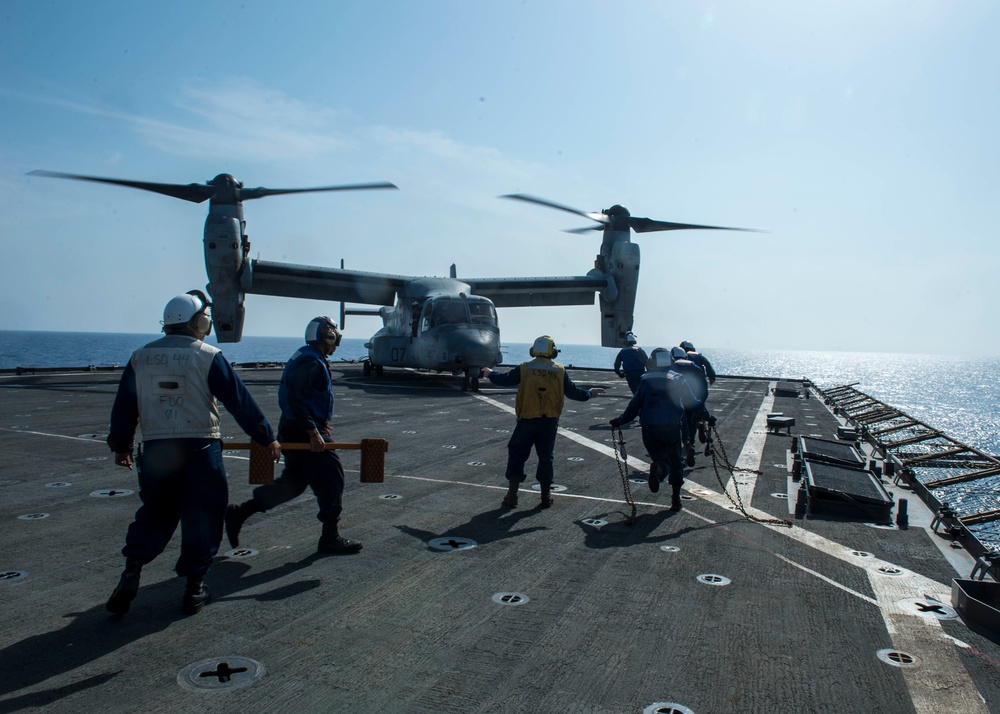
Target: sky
x=863, y=135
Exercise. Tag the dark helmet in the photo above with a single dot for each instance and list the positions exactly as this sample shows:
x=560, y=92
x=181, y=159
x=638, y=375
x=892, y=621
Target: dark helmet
x=659, y=359
x=323, y=329
x=677, y=353
x=687, y=346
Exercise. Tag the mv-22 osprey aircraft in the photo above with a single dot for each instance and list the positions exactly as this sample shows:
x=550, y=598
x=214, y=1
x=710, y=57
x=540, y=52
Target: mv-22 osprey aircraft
x=431, y=323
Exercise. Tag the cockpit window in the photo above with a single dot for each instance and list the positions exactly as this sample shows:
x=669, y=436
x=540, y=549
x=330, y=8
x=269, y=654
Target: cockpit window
x=483, y=313
x=449, y=312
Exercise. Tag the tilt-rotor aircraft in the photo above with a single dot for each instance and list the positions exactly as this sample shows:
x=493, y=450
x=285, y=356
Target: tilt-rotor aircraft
x=431, y=323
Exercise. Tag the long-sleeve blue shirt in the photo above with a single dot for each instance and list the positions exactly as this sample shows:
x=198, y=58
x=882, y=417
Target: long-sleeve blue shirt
x=631, y=359
x=224, y=384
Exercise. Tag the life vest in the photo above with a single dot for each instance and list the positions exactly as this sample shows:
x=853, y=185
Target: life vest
x=318, y=402
x=691, y=390
x=540, y=393
x=171, y=381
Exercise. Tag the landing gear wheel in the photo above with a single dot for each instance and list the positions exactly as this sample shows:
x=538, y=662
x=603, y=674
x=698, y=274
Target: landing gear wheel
x=378, y=370
x=367, y=368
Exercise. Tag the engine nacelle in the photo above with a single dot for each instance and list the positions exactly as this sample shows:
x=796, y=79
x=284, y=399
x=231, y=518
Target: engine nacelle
x=620, y=260
x=225, y=253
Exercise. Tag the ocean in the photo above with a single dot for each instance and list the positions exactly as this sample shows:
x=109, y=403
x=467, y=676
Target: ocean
x=959, y=396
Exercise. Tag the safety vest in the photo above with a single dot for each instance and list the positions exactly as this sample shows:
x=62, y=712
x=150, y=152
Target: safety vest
x=171, y=381
x=540, y=393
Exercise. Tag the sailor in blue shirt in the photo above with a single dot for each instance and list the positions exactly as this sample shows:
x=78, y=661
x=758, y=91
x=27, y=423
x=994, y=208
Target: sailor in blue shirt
x=631, y=362
x=169, y=390
x=655, y=403
x=306, y=400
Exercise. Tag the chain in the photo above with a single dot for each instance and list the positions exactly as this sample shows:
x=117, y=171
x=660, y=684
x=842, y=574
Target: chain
x=621, y=460
x=719, y=456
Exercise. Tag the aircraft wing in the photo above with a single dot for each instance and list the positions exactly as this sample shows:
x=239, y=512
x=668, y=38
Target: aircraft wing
x=533, y=292
x=314, y=283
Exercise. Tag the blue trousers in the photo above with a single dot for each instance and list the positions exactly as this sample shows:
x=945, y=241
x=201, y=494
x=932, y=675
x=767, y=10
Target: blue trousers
x=632, y=377
x=180, y=481
x=539, y=433
x=320, y=471
x=664, y=446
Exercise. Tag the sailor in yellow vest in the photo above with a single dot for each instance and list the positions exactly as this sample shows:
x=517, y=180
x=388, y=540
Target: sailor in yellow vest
x=541, y=387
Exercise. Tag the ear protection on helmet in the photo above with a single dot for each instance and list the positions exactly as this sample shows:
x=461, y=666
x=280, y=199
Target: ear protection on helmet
x=544, y=346
x=659, y=359
x=323, y=329
x=678, y=353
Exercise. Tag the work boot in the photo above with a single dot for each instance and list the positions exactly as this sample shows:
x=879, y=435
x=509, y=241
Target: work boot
x=127, y=588
x=675, y=499
x=332, y=543
x=195, y=595
x=689, y=448
x=546, y=501
x=655, y=475
x=510, y=500
x=235, y=518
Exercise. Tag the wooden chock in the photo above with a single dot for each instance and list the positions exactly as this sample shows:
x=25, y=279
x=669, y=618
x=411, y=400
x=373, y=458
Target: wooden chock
x=261, y=464
x=373, y=460
x=262, y=467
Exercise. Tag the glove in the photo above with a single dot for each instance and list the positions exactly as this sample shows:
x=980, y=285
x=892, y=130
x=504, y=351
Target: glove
x=712, y=420
x=615, y=423
x=620, y=374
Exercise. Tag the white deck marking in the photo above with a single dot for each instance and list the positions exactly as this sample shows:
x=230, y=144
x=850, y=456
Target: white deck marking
x=940, y=682
x=753, y=449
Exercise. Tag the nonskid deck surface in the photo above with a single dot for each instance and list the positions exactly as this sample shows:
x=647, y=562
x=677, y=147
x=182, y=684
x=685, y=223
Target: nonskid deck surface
x=524, y=610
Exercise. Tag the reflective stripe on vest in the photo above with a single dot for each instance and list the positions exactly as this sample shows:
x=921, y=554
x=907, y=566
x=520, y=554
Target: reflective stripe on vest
x=171, y=381
x=541, y=391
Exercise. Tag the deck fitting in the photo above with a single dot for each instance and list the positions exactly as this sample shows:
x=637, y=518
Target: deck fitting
x=452, y=543
x=9, y=576
x=510, y=598
x=390, y=497
x=713, y=579
x=58, y=484
x=32, y=516
x=240, y=553
x=667, y=708
x=111, y=492
x=220, y=673
x=897, y=658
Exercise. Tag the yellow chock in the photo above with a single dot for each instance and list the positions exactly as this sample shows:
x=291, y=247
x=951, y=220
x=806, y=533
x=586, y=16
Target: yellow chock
x=262, y=467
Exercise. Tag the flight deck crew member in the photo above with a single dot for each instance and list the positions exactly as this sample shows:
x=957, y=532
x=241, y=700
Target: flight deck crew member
x=699, y=359
x=631, y=362
x=541, y=387
x=169, y=389
x=691, y=393
x=305, y=396
x=661, y=416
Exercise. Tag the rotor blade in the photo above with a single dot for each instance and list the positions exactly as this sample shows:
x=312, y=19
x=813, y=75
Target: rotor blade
x=599, y=217
x=194, y=192
x=648, y=225
x=248, y=193
x=581, y=231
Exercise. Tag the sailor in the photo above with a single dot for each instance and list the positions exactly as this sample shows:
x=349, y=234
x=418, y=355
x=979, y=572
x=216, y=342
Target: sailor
x=305, y=396
x=662, y=415
x=169, y=389
x=542, y=385
x=699, y=359
x=631, y=362
x=691, y=393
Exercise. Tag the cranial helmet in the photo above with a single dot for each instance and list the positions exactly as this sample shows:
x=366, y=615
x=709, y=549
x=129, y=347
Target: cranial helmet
x=677, y=353
x=323, y=329
x=687, y=346
x=659, y=359
x=630, y=339
x=544, y=346
x=184, y=308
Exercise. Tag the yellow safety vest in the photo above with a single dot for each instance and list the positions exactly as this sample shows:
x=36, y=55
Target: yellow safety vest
x=540, y=393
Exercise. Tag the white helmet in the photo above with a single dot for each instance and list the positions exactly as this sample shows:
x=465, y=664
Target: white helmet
x=544, y=346
x=677, y=353
x=630, y=339
x=323, y=329
x=182, y=308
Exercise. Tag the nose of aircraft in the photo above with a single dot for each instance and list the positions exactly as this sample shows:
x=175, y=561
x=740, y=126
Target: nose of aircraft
x=474, y=347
